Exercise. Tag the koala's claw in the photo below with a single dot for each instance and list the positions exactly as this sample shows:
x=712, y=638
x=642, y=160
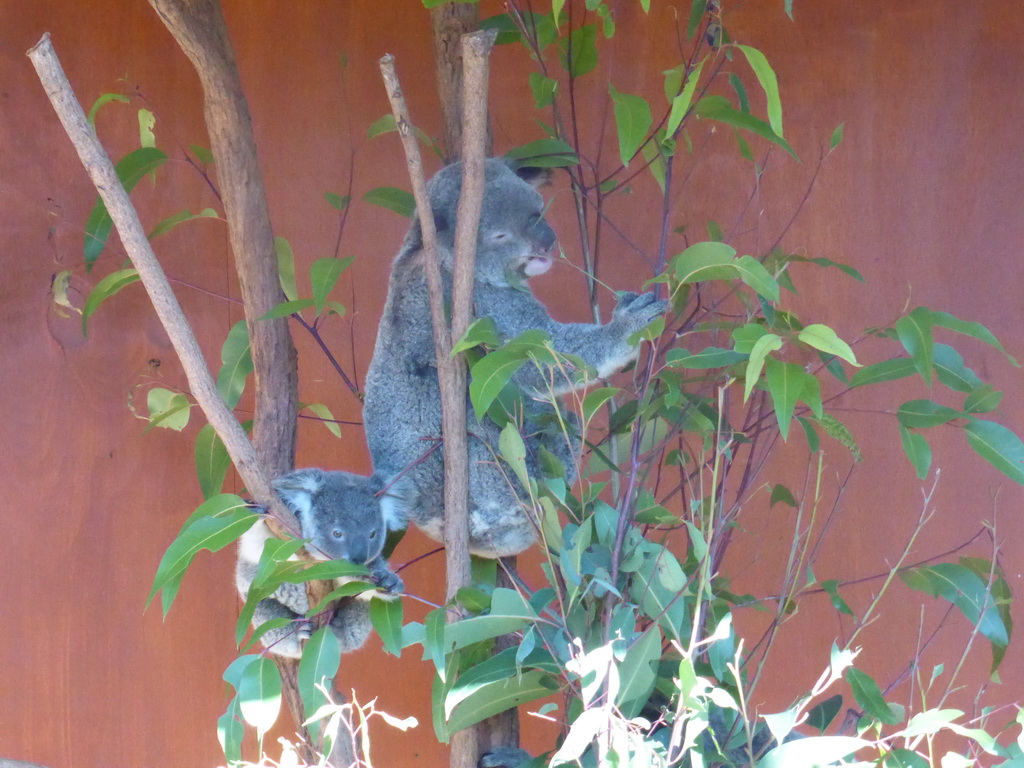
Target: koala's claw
x=640, y=308
x=389, y=581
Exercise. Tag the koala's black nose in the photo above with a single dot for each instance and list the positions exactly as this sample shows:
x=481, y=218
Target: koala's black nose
x=542, y=235
x=359, y=550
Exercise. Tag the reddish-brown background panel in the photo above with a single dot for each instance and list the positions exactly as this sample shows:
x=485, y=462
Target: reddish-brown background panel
x=924, y=197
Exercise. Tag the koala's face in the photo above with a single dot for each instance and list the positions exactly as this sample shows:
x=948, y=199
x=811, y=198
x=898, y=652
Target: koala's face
x=514, y=241
x=338, y=511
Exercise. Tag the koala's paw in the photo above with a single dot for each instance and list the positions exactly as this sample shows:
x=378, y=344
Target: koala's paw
x=504, y=757
x=388, y=581
x=636, y=310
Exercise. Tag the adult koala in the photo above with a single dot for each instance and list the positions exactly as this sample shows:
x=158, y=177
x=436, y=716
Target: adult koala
x=402, y=409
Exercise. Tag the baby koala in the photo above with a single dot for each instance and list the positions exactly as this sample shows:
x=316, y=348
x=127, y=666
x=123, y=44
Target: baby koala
x=342, y=522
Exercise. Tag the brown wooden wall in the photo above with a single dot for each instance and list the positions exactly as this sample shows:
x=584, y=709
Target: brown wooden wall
x=925, y=197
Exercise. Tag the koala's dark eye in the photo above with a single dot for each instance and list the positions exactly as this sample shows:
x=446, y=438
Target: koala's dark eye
x=499, y=236
x=373, y=535
x=338, y=533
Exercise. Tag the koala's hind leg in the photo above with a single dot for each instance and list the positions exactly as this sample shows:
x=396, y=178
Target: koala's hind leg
x=499, y=527
x=351, y=623
x=283, y=641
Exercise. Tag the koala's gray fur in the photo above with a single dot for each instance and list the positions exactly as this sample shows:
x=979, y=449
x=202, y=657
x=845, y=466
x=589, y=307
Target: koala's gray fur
x=402, y=409
x=344, y=520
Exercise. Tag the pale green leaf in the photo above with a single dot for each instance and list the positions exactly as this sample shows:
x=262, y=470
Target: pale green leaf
x=768, y=343
x=825, y=339
x=769, y=83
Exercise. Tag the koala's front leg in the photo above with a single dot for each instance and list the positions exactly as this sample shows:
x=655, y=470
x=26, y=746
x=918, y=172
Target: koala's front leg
x=389, y=581
x=633, y=312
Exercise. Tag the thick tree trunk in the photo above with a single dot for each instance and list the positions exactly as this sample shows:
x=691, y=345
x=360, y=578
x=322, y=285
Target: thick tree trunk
x=450, y=22
x=198, y=28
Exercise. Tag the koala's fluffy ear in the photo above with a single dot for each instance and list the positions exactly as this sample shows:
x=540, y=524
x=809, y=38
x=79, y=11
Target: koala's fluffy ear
x=532, y=175
x=298, y=488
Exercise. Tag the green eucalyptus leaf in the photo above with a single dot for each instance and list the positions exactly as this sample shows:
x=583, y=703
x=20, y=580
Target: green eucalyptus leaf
x=103, y=100
x=325, y=415
x=259, y=694
x=719, y=109
x=104, y=289
x=231, y=731
x=785, y=383
x=392, y=198
x=318, y=666
x=982, y=399
x=705, y=261
x=323, y=275
x=887, y=370
x=386, y=617
x=951, y=370
x=632, y=121
x=825, y=339
x=752, y=272
x=769, y=84
x=683, y=100
x=131, y=169
x=543, y=88
x=965, y=589
x=167, y=409
x=286, y=267
x=217, y=522
x=967, y=328
x=915, y=334
x=578, y=51
x=212, y=461
x=288, y=308
x=869, y=696
x=918, y=451
x=543, y=153
x=822, y=715
x=171, y=222
x=768, y=343
x=918, y=414
x=637, y=672
x=236, y=364
x=999, y=446
x=710, y=357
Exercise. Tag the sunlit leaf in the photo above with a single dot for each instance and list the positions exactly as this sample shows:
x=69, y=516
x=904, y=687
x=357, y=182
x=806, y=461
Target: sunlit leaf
x=259, y=694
